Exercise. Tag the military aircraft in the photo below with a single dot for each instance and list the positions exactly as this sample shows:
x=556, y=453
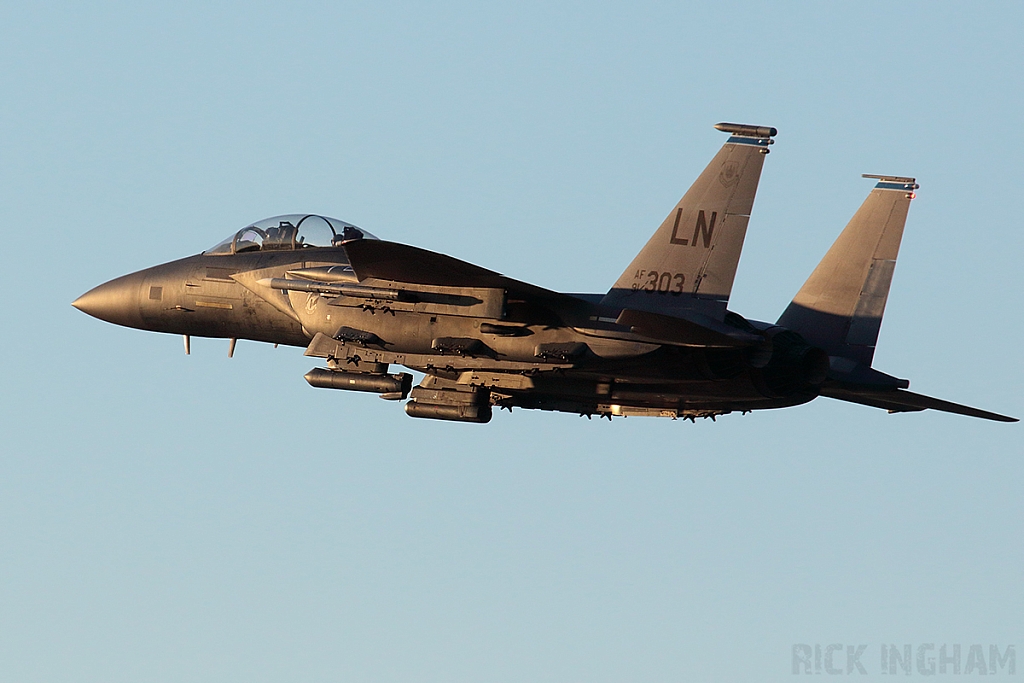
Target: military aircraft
x=661, y=341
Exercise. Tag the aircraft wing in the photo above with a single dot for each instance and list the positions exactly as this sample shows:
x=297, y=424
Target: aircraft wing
x=392, y=261
x=901, y=401
x=382, y=260
x=694, y=330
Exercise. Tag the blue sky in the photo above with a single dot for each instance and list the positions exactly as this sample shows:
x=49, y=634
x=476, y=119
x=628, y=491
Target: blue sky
x=173, y=518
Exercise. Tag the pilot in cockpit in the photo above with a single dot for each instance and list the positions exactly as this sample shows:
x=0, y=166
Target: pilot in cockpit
x=280, y=237
x=350, y=233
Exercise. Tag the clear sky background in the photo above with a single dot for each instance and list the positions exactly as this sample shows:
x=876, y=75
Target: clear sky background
x=173, y=518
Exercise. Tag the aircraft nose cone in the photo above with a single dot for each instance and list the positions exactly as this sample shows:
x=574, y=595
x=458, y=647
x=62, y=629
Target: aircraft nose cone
x=116, y=301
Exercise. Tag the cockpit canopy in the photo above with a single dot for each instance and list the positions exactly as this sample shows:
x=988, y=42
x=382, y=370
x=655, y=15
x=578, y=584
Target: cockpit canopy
x=293, y=231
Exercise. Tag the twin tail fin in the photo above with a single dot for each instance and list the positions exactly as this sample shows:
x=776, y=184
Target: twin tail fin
x=689, y=264
x=840, y=306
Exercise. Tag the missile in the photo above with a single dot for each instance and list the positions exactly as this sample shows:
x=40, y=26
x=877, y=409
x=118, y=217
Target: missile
x=332, y=288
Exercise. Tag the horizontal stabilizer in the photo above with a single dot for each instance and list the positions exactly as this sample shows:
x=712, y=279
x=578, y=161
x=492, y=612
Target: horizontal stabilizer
x=846, y=372
x=902, y=401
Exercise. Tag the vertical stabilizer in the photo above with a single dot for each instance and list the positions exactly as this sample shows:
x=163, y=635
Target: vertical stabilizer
x=840, y=306
x=690, y=262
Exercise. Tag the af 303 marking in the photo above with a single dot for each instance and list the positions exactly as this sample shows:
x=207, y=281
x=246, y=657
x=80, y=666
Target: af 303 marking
x=655, y=282
x=704, y=228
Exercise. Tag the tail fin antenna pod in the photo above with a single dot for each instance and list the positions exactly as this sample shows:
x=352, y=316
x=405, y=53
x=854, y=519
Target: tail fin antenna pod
x=690, y=262
x=840, y=306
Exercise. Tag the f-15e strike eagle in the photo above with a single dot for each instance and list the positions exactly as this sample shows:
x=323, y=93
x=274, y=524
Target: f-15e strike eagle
x=661, y=342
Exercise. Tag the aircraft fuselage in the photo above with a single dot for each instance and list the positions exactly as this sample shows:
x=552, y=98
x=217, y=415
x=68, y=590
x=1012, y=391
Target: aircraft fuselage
x=581, y=365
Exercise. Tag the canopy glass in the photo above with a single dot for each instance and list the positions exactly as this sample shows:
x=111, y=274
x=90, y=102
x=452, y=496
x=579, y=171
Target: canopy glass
x=292, y=231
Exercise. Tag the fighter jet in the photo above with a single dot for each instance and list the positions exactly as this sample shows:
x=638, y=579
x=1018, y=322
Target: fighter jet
x=661, y=342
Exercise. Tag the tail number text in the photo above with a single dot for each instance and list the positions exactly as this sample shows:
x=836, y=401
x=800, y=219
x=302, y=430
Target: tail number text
x=659, y=282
